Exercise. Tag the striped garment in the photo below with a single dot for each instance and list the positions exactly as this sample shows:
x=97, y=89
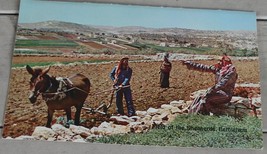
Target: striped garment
x=225, y=79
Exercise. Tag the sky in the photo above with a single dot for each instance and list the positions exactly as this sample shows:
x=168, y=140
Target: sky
x=105, y=14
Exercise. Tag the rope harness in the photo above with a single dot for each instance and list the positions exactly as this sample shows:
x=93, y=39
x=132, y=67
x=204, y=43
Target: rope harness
x=63, y=88
x=64, y=84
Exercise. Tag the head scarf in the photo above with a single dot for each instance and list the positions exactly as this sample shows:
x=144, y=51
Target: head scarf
x=226, y=65
x=120, y=66
x=224, y=61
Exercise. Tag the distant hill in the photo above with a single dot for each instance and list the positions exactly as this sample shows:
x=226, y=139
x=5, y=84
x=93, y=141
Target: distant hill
x=74, y=27
x=59, y=26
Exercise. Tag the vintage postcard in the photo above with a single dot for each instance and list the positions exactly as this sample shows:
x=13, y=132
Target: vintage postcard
x=139, y=75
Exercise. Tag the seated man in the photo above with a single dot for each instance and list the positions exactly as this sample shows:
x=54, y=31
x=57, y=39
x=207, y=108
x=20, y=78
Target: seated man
x=225, y=79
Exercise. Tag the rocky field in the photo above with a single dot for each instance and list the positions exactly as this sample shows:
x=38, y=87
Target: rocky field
x=21, y=117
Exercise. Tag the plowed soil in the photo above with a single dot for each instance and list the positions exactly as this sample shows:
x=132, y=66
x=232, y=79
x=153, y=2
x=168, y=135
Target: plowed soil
x=21, y=117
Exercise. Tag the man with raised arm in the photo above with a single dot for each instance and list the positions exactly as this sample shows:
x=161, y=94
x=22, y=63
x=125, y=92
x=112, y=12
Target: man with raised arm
x=225, y=78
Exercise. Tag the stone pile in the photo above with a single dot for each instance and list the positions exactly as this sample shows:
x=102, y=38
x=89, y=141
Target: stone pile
x=142, y=122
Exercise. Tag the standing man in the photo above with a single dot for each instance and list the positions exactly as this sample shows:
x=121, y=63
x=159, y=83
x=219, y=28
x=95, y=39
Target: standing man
x=165, y=70
x=225, y=78
x=121, y=76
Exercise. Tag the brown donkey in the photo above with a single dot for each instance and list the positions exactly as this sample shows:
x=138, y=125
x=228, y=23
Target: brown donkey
x=77, y=89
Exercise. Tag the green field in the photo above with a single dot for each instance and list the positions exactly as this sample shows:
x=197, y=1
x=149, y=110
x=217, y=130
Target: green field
x=152, y=48
x=45, y=43
x=199, y=131
x=33, y=64
x=143, y=48
x=36, y=52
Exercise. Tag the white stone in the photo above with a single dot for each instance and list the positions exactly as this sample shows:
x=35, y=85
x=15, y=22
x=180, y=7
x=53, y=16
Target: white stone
x=119, y=129
x=79, y=140
x=164, y=115
x=146, y=118
x=104, y=125
x=133, y=124
x=157, y=122
x=9, y=138
x=62, y=131
x=80, y=130
x=127, y=118
x=135, y=118
x=248, y=85
x=105, y=131
x=240, y=102
x=52, y=139
x=175, y=110
x=60, y=138
x=237, y=98
x=187, y=104
x=122, y=120
x=166, y=106
x=109, y=129
x=92, y=137
x=95, y=130
x=156, y=118
x=138, y=127
x=177, y=103
x=141, y=113
x=197, y=93
x=25, y=137
x=185, y=110
x=77, y=137
x=41, y=132
x=256, y=101
x=152, y=111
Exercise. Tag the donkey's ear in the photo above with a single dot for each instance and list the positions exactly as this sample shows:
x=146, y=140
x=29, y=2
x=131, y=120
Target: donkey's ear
x=30, y=70
x=45, y=71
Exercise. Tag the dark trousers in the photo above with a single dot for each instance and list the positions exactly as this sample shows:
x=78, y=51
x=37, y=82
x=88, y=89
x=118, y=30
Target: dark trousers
x=164, y=80
x=129, y=103
x=215, y=102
